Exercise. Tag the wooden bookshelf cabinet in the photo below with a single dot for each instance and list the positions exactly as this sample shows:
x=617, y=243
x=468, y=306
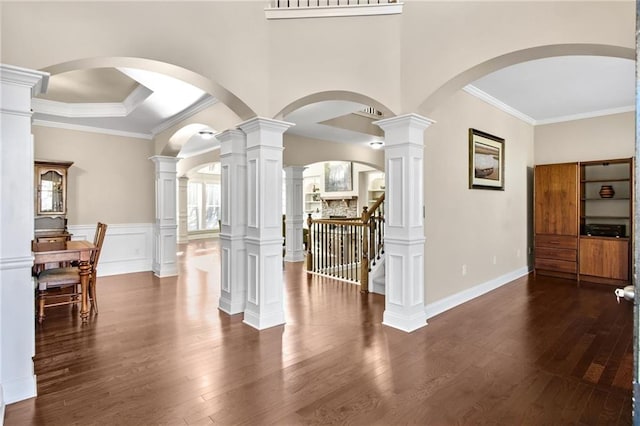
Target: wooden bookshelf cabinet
x=583, y=220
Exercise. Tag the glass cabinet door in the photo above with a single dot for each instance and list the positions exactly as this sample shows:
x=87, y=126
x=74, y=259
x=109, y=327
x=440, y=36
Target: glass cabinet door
x=51, y=189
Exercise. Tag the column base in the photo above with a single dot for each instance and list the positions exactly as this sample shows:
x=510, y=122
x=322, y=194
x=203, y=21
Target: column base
x=232, y=308
x=166, y=272
x=407, y=323
x=294, y=257
x=263, y=320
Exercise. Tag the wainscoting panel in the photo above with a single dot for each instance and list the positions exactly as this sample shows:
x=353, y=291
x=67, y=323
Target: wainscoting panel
x=127, y=248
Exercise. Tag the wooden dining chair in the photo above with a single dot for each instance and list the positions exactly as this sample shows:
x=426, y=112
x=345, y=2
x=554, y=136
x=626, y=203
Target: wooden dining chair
x=63, y=284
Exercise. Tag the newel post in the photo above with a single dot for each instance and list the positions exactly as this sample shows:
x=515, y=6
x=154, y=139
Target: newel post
x=309, y=262
x=364, y=264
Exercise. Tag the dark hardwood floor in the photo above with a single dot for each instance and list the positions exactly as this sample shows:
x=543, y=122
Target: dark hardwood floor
x=535, y=352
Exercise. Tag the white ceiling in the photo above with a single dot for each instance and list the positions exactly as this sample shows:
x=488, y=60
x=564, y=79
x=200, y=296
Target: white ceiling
x=564, y=88
x=139, y=103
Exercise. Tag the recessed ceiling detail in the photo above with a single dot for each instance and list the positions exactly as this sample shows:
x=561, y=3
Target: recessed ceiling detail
x=153, y=102
x=96, y=85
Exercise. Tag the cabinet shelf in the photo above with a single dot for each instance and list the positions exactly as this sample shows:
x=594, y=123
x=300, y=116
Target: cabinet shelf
x=604, y=217
x=606, y=199
x=602, y=237
x=604, y=180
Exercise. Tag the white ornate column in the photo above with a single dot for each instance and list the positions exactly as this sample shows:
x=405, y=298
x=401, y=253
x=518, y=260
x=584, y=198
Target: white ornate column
x=404, y=233
x=17, y=335
x=183, y=230
x=265, y=286
x=165, y=229
x=233, y=220
x=294, y=217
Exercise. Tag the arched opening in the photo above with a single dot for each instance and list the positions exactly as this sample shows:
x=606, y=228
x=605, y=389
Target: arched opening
x=487, y=67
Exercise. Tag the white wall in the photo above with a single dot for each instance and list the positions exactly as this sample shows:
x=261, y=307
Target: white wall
x=471, y=226
x=600, y=138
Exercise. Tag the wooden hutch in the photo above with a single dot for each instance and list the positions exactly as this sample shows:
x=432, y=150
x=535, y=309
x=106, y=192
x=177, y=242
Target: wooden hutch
x=51, y=200
x=583, y=220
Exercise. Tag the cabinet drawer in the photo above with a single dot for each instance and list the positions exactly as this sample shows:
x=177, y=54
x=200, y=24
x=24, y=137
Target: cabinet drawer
x=557, y=253
x=556, y=265
x=56, y=239
x=557, y=241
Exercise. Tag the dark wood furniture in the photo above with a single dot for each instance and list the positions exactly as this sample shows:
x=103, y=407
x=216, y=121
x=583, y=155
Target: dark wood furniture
x=67, y=251
x=583, y=220
x=556, y=220
x=51, y=200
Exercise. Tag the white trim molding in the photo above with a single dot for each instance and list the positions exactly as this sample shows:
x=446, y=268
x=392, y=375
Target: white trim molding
x=91, y=129
x=484, y=96
x=201, y=105
x=36, y=80
x=450, y=302
x=127, y=247
x=1, y=406
x=592, y=114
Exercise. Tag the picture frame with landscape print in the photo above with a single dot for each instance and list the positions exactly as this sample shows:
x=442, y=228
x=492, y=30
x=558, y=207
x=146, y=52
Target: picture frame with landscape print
x=486, y=161
x=337, y=176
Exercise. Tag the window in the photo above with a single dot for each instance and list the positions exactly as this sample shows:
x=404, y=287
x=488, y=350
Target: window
x=203, y=206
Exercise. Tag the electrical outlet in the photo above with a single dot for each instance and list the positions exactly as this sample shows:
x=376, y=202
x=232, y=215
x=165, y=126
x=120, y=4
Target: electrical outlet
x=495, y=259
x=464, y=270
x=518, y=253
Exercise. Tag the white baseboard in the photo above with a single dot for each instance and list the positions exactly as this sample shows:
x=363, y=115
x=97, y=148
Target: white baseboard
x=127, y=248
x=1, y=406
x=202, y=236
x=442, y=305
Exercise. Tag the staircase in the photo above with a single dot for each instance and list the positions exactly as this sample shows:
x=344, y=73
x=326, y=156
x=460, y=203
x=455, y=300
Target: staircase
x=349, y=249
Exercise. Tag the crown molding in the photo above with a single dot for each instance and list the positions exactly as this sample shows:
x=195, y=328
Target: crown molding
x=37, y=80
x=90, y=129
x=79, y=110
x=474, y=91
x=333, y=11
x=592, y=114
x=136, y=98
x=202, y=104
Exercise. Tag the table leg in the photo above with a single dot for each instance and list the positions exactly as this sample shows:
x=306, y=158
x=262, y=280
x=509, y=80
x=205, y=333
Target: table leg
x=85, y=271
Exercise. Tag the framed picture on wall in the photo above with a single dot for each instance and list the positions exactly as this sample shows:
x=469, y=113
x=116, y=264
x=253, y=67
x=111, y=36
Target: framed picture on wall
x=337, y=176
x=486, y=161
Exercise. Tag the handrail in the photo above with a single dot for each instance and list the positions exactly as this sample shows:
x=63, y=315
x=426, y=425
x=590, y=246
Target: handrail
x=347, y=248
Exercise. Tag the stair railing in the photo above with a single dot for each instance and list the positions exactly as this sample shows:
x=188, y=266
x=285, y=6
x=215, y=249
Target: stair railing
x=347, y=248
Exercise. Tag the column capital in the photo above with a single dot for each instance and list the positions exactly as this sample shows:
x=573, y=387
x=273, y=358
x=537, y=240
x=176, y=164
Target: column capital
x=413, y=120
x=229, y=135
x=408, y=128
x=264, y=124
x=165, y=164
x=294, y=171
x=36, y=80
x=232, y=141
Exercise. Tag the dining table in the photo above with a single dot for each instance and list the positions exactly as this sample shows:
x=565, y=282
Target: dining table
x=68, y=251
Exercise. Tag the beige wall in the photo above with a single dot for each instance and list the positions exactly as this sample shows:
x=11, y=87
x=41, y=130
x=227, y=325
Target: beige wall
x=111, y=180
x=400, y=60
x=470, y=226
x=600, y=138
x=299, y=151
